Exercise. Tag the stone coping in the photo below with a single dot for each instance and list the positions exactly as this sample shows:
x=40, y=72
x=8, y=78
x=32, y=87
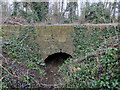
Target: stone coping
x=88, y=24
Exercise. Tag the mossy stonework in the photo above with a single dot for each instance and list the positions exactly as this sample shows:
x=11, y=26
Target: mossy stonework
x=59, y=38
x=51, y=39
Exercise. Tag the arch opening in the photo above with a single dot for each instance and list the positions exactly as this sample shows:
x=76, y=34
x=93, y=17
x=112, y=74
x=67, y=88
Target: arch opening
x=52, y=65
x=57, y=59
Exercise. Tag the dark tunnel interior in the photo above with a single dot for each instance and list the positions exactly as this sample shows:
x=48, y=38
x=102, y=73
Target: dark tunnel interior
x=57, y=58
x=53, y=62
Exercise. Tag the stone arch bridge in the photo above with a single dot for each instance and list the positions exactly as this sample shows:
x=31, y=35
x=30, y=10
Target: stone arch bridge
x=55, y=39
x=51, y=38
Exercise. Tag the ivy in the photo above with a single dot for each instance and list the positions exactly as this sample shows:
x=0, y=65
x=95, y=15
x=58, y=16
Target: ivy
x=95, y=72
x=23, y=50
x=88, y=40
x=24, y=46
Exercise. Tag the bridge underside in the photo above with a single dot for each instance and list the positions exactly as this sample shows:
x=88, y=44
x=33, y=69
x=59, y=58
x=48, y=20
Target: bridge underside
x=57, y=58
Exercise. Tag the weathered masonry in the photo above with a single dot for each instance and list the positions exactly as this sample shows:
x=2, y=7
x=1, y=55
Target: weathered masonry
x=55, y=39
x=52, y=39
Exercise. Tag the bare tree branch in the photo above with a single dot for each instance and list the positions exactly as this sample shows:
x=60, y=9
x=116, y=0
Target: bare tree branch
x=95, y=54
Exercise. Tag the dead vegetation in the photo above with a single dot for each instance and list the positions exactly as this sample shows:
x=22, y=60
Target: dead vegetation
x=15, y=21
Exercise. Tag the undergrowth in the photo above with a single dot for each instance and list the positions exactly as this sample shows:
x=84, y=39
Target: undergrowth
x=94, y=72
x=89, y=39
x=101, y=71
x=22, y=50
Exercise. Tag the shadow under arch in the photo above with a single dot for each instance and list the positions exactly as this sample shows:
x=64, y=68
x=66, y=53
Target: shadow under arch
x=57, y=58
x=53, y=62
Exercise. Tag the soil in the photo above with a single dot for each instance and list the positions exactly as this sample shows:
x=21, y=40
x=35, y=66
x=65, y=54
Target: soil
x=17, y=69
x=53, y=62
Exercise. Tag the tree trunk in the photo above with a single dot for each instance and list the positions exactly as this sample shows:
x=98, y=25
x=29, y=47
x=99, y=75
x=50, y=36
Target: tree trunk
x=15, y=8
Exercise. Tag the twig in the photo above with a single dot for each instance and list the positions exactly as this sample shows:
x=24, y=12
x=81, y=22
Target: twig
x=13, y=22
x=95, y=54
x=12, y=74
x=24, y=38
x=3, y=77
x=3, y=58
x=17, y=76
x=111, y=38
